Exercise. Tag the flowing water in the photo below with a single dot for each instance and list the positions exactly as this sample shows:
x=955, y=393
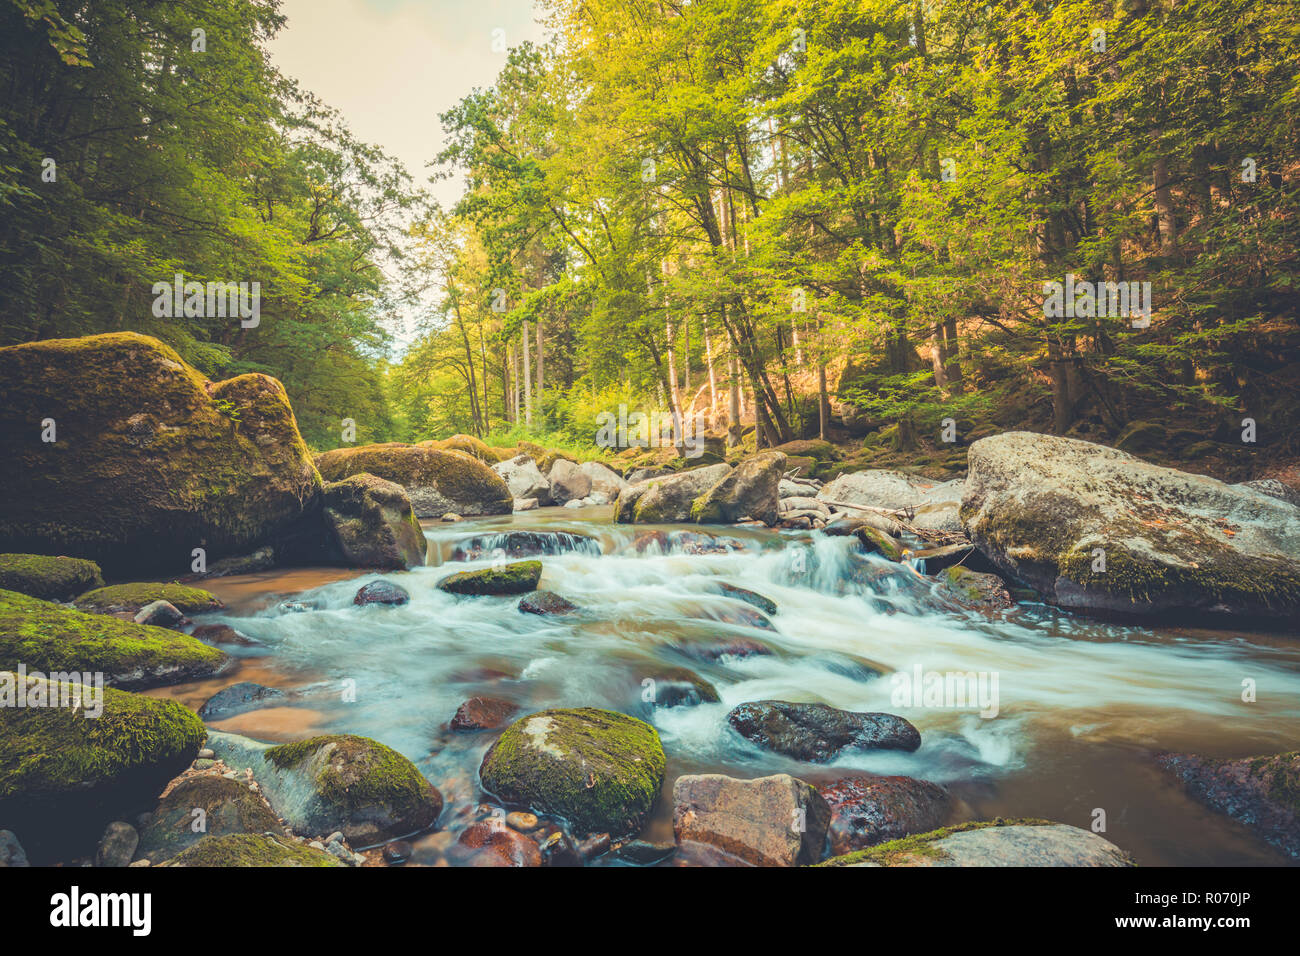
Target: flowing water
x=1082, y=705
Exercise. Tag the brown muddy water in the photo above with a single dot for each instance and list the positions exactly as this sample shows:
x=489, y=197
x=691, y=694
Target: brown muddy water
x=1082, y=705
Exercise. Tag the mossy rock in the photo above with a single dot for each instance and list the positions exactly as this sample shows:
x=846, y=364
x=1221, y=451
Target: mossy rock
x=519, y=577
x=1045, y=509
x=372, y=523
x=64, y=775
x=815, y=448
x=50, y=638
x=999, y=842
x=470, y=446
x=354, y=784
x=875, y=541
x=436, y=480
x=151, y=460
x=48, y=578
x=228, y=806
x=1142, y=437
x=599, y=769
x=132, y=597
x=248, y=849
x=545, y=457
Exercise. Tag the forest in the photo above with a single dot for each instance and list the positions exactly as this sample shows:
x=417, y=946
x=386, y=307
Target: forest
x=801, y=219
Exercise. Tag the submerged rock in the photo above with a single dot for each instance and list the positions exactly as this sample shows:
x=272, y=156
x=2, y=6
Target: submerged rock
x=766, y=605
x=546, y=602
x=63, y=776
x=818, y=732
x=381, y=592
x=483, y=713
x=678, y=687
x=228, y=806
x=772, y=821
x=365, y=790
x=152, y=459
x=517, y=578
x=499, y=845
x=994, y=843
x=50, y=638
x=252, y=850
x=524, y=544
x=133, y=597
x=48, y=578
x=723, y=648
x=437, y=481
x=866, y=810
x=221, y=634
x=1045, y=509
x=751, y=489
x=237, y=699
x=598, y=769
x=1261, y=792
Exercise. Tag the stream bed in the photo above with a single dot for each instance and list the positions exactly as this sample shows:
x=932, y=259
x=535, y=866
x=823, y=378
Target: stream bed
x=1082, y=705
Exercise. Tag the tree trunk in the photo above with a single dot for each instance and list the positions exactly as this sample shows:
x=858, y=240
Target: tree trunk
x=528, y=387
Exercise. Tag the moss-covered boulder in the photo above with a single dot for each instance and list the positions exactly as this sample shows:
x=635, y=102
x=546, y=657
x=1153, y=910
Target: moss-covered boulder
x=598, y=769
x=519, y=577
x=64, y=774
x=974, y=589
x=50, y=638
x=48, y=578
x=249, y=849
x=750, y=490
x=372, y=523
x=470, y=445
x=151, y=460
x=1093, y=528
x=667, y=498
x=352, y=784
x=132, y=597
x=229, y=806
x=436, y=480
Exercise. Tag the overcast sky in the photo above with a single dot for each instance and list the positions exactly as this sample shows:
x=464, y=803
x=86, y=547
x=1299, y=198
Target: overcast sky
x=391, y=66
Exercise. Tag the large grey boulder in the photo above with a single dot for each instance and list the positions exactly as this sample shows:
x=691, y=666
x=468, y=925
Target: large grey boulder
x=1094, y=528
x=667, y=498
x=933, y=505
x=371, y=523
x=751, y=489
x=524, y=478
x=568, y=482
x=603, y=480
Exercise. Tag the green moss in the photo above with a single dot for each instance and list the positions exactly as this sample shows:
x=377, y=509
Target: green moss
x=455, y=475
x=248, y=849
x=229, y=806
x=57, y=750
x=132, y=597
x=599, y=769
x=359, y=773
x=878, y=542
x=148, y=465
x=518, y=577
x=49, y=638
x=49, y=578
x=896, y=852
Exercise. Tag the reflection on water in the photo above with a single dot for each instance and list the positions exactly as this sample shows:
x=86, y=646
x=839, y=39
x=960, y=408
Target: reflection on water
x=1082, y=706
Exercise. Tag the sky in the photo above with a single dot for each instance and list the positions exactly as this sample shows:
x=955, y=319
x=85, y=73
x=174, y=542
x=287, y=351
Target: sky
x=391, y=66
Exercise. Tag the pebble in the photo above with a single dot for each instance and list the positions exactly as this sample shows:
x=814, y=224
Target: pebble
x=399, y=851
x=524, y=822
x=204, y=764
x=597, y=844
x=451, y=516
x=207, y=753
x=335, y=837
x=316, y=845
